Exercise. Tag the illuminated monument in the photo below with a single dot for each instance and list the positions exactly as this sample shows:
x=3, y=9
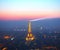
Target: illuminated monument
x=30, y=36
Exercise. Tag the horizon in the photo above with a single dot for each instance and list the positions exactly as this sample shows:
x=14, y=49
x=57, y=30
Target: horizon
x=29, y=24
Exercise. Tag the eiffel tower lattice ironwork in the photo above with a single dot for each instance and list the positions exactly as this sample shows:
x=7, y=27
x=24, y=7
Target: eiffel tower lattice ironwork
x=30, y=36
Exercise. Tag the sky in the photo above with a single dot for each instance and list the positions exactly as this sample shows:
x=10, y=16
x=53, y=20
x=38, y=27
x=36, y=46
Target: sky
x=29, y=9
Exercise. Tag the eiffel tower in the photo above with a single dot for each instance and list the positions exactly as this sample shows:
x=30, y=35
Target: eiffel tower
x=30, y=36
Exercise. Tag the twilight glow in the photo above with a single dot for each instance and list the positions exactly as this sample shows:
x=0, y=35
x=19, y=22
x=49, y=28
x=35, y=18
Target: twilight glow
x=29, y=9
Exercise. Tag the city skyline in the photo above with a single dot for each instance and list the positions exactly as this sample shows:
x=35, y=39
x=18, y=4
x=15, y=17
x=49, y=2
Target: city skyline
x=29, y=24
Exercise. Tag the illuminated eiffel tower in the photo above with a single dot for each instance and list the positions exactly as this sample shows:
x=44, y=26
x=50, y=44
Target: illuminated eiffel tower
x=30, y=36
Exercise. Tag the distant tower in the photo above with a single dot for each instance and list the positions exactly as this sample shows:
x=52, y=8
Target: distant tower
x=30, y=36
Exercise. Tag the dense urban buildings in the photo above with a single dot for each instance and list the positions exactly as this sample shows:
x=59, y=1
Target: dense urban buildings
x=31, y=36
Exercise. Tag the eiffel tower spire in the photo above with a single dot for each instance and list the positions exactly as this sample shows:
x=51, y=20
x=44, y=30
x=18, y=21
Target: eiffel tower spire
x=29, y=27
x=30, y=36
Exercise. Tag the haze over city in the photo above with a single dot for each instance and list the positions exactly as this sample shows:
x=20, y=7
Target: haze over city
x=29, y=24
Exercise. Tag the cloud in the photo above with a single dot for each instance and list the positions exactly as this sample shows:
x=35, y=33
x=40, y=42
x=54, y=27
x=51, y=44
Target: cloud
x=42, y=18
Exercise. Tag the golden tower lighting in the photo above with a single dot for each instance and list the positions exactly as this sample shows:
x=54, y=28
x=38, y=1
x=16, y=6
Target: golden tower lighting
x=30, y=36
